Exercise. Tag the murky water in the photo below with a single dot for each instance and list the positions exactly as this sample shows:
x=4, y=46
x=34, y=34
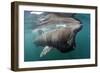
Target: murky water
x=32, y=52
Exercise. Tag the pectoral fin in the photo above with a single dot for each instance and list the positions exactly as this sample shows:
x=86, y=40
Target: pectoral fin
x=45, y=51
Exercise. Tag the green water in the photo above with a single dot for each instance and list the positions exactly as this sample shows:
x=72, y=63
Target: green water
x=32, y=52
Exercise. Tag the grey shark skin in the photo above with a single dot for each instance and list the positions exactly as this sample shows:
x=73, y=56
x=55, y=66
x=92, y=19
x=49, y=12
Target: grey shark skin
x=62, y=37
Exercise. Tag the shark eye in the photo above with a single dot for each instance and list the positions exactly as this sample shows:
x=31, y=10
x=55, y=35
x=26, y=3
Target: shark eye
x=40, y=31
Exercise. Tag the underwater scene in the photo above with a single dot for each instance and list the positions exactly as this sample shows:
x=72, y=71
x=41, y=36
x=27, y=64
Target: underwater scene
x=56, y=36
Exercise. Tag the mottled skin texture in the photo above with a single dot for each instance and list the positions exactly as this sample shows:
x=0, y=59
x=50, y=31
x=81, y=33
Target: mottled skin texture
x=61, y=39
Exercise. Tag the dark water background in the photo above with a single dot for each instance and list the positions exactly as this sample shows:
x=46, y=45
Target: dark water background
x=32, y=52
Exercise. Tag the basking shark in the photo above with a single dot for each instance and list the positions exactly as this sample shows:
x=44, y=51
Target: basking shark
x=57, y=31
